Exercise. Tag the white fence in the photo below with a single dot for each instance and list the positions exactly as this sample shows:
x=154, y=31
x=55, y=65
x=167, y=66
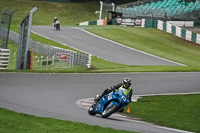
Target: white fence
x=4, y=58
x=38, y=63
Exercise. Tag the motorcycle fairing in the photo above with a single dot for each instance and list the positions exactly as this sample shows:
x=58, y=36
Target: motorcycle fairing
x=111, y=99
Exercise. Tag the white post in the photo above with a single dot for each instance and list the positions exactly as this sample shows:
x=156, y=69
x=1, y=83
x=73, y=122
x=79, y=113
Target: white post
x=35, y=62
x=101, y=7
x=53, y=63
x=28, y=35
x=14, y=58
x=47, y=63
x=41, y=62
x=113, y=7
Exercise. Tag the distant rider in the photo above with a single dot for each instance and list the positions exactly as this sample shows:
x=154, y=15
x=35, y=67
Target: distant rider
x=126, y=84
x=54, y=21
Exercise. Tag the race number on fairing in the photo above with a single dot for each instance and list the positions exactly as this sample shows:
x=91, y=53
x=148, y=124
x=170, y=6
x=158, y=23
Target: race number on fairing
x=109, y=97
x=124, y=98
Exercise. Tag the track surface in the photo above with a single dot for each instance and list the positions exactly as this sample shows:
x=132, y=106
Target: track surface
x=111, y=51
x=55, y=95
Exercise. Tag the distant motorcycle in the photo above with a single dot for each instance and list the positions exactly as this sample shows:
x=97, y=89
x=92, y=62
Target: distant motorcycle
x=57, y=25
x=109, y=104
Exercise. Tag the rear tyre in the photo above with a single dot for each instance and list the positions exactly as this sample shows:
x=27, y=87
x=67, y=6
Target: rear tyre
x=109, y=111
x=91, y=111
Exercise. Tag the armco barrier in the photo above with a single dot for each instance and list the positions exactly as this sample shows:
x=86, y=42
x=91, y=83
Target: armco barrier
x=4, y=58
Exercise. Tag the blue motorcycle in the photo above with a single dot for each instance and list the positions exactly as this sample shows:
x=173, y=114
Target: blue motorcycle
x=109, y=104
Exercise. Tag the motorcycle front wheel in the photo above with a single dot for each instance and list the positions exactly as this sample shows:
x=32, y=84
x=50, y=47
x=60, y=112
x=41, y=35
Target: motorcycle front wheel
x=109, y=111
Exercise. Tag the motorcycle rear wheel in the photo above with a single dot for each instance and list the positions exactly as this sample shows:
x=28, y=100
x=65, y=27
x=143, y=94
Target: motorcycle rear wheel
x=109, y=111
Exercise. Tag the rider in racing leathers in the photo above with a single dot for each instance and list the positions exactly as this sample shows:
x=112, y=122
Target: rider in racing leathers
x=126, y=84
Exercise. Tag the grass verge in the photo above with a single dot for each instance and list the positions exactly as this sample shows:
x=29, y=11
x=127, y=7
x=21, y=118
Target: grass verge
x=175, y=111
x=12, y=122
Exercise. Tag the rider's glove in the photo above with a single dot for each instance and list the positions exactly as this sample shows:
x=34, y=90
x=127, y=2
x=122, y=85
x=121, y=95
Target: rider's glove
x=112, y=89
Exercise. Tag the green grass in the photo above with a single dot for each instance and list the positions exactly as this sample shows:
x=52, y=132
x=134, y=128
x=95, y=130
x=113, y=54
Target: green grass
x=176, y=111
x=68, y=13
x=13, y=56
x=12, y=122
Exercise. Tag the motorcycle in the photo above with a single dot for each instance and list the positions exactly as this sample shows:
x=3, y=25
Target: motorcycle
x=57, y=25
x=109, y=104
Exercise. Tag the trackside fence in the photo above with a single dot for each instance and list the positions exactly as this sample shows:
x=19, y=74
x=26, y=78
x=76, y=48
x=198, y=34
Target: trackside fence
x=44, y=63
x=81, y=59
x=4, y=58
x=178, y=31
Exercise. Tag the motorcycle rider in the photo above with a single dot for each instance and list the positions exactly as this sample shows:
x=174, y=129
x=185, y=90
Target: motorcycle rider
x=126, y=84
x=54, y=21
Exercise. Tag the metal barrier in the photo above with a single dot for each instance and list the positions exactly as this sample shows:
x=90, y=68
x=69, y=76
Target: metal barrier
x=4, y=58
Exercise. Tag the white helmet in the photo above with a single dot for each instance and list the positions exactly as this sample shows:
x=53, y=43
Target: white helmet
x=127, y=82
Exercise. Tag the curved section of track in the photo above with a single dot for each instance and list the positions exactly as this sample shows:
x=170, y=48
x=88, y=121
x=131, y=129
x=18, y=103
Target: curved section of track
x=97, y=46
x=55, y=95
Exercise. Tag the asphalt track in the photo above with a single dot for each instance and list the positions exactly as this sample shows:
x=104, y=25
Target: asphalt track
x=105, y=49
x=55, y=95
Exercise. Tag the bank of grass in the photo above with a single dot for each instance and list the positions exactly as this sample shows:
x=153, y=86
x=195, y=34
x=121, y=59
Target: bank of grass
x=12, y=122
x=68, y=13
x=175, y=111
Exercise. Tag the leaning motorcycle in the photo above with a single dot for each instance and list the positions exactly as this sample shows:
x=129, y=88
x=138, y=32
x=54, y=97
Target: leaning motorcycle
x=57, y=25
x=109, y=104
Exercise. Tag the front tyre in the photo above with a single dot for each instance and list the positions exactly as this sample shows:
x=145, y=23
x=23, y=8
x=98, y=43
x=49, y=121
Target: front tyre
x=91, y=111
x=109, y=111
